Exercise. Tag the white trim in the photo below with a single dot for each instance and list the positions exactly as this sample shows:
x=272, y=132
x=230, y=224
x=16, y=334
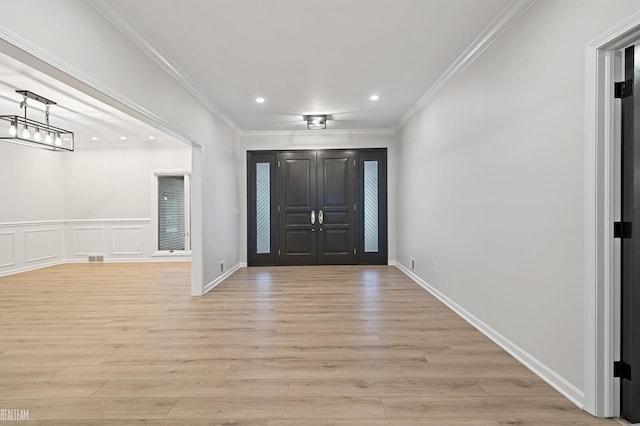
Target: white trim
x=600, y=388
x=32, y=268
x=129, y=260
x=392, y=262
x=180, y=253
x=507, y=16
x=37, y=259
x=197, y=222
x=31, y=223
x=221, y=278
x=106, y=221
x=543, y=371
x=74, y=261
x=119, y=20
x=70, y=222
x=13, y=249
x=365, y=132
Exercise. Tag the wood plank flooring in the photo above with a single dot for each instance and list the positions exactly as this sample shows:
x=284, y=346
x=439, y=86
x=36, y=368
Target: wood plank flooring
x=125, y=344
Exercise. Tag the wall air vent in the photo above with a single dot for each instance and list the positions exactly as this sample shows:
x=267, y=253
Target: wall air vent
x=96, y=258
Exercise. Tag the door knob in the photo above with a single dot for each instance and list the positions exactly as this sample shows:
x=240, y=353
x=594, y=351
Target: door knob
x=313, y=217
x=320, y=217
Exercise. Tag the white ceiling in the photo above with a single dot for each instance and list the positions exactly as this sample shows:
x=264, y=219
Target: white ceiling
x=307, y=56
x=75, y=111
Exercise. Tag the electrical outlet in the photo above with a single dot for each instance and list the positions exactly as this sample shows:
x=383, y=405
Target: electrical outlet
x=412, y=263
x=222, y=266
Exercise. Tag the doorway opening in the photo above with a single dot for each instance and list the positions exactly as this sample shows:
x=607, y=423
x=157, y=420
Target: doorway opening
x=325, y=207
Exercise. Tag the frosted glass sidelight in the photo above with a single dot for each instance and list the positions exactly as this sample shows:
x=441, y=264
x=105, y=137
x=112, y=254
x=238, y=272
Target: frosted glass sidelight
x=263, y=208
x=371, y=206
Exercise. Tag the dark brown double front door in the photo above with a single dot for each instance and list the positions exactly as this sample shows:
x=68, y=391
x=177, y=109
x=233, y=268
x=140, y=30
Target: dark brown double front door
x=317, y=198
x=304, y=207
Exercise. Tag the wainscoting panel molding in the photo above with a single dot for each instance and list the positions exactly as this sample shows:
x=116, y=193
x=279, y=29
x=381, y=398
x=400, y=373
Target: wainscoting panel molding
x=7, y=249
x=29, y=245
x=41, y=244
x=25, y=246
x=127, y=240
x=88, y=240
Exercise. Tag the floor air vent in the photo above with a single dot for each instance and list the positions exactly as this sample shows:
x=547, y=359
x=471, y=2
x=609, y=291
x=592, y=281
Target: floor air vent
x=96, y=258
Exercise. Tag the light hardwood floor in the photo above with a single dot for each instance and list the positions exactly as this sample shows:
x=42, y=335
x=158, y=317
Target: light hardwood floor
x=125, y=344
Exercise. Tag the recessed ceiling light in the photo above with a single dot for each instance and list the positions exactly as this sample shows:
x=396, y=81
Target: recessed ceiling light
x=374, y=97
x=123, y=138
x=152, y=137
x=93, y=138
x=260, y=100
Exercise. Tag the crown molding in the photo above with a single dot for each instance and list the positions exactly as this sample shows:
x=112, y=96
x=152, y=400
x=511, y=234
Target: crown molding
x=507, y=16
x=36, y=52
x=118, y=19
x=621, y=34
x=366, y=132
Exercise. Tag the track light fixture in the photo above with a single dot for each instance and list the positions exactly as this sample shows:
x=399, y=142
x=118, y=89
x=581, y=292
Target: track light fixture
x=32, y=130
x=316, y=122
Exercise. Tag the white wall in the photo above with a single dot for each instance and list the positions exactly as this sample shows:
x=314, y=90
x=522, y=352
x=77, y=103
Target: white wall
x=94, y=57
x=32, y=199
x=32, y=184
x=320, y=140
x=113, y=180
x=493, y=171
x=221, y=207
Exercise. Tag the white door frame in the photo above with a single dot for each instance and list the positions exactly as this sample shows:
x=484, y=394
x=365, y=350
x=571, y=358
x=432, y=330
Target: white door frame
x=601, y=390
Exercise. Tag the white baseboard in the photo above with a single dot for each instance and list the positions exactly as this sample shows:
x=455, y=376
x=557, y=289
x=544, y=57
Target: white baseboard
x=221, y=278
x=133, y=260
x=558, y=382
x=392, y=263
x=32, y=268
x=65, y=261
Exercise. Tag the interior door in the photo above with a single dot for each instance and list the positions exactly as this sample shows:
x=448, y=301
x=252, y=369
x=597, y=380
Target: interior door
x=628, y=369
x=297, y=208
x=336, y=173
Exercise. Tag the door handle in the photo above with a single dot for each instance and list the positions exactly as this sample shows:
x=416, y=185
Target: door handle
x=313, y=217
x=320, y=217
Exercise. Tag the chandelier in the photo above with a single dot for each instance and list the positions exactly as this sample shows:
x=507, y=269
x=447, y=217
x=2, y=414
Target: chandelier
x=25, y=131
